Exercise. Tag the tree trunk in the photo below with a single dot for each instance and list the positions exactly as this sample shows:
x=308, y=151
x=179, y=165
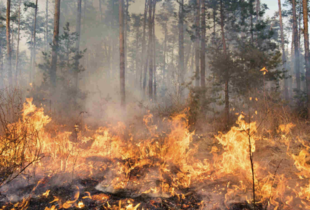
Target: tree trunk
x=283, y=50
x=125, y=32
x=251, y=17
x=181, y=47
x=307, y=55
x=55, y=43
x=150, y=51
x=17, y=72
x=296, y=47
x=214, y=22
x=33, y=62
x=8, y=41
x=203, y=45
x=122, y=51
x=78, y=33
x=138, y=72
x=165, y=55
x=227, y=73
x=144, y=58
x=257, y=9
x=1, y=65
x=46, y=25
x=154, y=49
x=197, y=38
x=291, y=70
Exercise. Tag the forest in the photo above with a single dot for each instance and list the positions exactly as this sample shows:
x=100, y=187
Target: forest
x=154, y=104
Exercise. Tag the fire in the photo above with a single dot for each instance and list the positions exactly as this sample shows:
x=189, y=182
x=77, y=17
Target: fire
x=80, y=205
x=162, y=160
x=46, y=194
x=235, y=158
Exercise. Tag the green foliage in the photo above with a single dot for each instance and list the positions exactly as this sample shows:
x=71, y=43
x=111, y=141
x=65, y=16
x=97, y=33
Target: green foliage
x=245, y=58
x=68, y=67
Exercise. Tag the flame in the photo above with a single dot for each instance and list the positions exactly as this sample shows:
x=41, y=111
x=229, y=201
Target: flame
x=80, y=205
x=161, y=160
x=46, y=194
x=264, y=70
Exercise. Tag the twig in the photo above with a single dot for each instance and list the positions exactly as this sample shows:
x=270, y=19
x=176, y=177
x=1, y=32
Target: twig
x=251, y=157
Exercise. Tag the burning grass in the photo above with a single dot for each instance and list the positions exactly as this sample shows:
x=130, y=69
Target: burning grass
x=160, y=165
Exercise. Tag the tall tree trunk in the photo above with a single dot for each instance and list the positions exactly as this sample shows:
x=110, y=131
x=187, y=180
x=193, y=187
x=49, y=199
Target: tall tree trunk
x=165, y=55
x=188, y=55
x=122, y=52
x=227, y=73
x=154, y=50
x=257, y=9
x=78, y=33
x=55, y=43
x=150, y=51
x=283, y=51
x=144, y=57
x=8, y=41
x=1, y=65
x=126, y=13
x=203, y=45
x=46, y=25
x=214, y=21
x=17, y=72
x=33, y=62
x=181, y=47
x=291, y=70
x=138, y=72
x=197, y=38
x=296, y=47
x=251, y=17
x=307, y=55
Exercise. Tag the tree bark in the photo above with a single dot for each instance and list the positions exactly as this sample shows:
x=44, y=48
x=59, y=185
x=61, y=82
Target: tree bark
x=150, y=51
x=296, y=47
x=17, y=72
x=8, y=41
x=122, y=52
x=203, y=45
x=283, y=51
x=55, y=43
x=227, y=73
x=78, y=33
x=197, y=38
x=181, y=47
x=307, y=55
